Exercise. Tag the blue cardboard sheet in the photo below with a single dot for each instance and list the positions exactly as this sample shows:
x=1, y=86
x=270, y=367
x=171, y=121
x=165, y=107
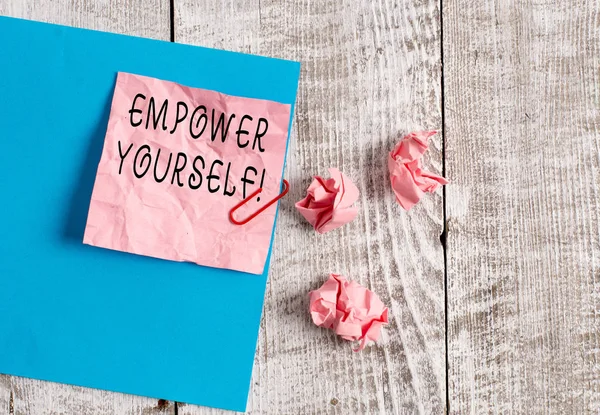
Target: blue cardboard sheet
x=81, y=315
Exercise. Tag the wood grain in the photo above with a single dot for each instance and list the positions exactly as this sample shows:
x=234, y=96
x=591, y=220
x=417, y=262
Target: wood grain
x=148, y=18
x=522, y=124
x=370, y=71
x=522, y=121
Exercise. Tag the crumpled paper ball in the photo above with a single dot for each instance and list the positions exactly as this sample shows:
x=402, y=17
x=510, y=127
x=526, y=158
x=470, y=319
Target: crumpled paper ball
x=328, y=202
x=352, y=311
x=409, y=180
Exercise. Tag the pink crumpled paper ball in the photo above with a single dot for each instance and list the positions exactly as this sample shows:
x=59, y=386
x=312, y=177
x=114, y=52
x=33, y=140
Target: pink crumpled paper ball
x=352, y=311
x=409, y=180
x=328, y=202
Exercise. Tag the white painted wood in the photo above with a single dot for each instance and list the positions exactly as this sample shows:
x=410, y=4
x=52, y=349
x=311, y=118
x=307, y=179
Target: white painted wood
x=523, y=152
x=35, y=397
x=148, y=18
x=6, y=401
x=370, y=71
x=145, y=18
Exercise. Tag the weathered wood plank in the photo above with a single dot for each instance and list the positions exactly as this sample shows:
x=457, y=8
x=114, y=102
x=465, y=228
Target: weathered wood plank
x=28, y=396
x=371, y=70
x=148, y=18
x=522, y=128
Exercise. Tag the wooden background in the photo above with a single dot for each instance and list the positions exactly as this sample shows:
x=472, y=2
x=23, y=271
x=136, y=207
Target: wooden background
x=503, y=318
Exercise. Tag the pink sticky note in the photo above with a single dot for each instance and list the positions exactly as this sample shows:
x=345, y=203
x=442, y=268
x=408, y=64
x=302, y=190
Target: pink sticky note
x=175, y=161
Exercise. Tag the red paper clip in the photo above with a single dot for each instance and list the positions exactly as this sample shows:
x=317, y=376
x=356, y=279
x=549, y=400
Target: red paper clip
x=255, y=214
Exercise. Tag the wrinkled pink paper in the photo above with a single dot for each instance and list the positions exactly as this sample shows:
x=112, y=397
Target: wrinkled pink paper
x=349, y=309
x=164, y=220
x=409, y=180
x=328, y=202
